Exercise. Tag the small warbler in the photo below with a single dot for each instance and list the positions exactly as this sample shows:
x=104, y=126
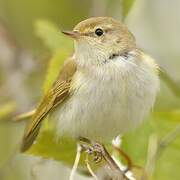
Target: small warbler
x=105, y=89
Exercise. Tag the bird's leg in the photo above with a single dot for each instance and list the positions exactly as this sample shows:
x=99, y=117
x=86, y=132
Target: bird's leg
x=99, y=152
x=90, y=149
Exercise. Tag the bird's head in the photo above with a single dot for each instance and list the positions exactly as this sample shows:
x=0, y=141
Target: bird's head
x=99, y=38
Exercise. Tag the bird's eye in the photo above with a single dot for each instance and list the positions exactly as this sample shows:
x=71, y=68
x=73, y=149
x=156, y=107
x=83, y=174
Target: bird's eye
x=99, y=32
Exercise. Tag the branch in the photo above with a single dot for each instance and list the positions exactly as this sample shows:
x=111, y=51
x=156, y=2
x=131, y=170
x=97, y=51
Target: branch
x=175, y=88
x=168, y=139
x=155, y=150
x=24, y=116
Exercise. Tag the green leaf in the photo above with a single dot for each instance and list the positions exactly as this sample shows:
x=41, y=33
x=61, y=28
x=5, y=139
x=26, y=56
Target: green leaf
x=52, y=36
x=54, y=67
x=62, y=149
x=136, y=144
x=7, y=109
x=60, y=46
x=167, y=166
x=126, y=7
x=47, y=146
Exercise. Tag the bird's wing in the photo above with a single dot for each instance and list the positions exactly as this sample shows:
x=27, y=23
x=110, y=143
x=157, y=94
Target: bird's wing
x=55, y=96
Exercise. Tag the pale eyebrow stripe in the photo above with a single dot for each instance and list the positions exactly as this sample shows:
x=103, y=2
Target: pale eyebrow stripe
x=87, y=34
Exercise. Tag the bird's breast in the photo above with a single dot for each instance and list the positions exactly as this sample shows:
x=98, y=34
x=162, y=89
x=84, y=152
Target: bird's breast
x=105, y=102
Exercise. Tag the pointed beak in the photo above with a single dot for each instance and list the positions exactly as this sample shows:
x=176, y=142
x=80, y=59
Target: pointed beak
x=72, y=34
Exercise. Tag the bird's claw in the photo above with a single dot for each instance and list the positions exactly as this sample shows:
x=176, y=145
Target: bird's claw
x=98, y=151
x=95, y=149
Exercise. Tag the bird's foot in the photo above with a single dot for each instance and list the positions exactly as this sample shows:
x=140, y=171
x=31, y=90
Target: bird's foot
x=95, y=149
x=98, y=151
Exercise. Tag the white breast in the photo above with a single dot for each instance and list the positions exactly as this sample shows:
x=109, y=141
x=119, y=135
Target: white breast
x=108, y=100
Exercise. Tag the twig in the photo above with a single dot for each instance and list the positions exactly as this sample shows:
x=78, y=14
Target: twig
x=169, y=138
x=151, y=157
x=93, y=146
x=89, y=167
x=111, y=162
x=156, y=148
x=175, y=88
x=24, y=116
x=76, y=162
x=107, y=157
x=126, y=157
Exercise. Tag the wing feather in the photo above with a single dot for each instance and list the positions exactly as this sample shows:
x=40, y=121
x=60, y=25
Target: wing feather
x=55, y=96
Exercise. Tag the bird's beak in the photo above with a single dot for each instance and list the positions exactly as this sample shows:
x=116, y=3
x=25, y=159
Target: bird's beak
x=72, y=34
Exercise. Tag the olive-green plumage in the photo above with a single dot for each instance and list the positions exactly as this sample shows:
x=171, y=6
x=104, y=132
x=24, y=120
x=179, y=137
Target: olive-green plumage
x=55, y=96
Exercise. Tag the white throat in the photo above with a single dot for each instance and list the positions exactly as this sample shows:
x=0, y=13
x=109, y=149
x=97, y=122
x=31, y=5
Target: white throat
x=86, y=55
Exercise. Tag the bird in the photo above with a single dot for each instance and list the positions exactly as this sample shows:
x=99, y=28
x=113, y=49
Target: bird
x=105, y=89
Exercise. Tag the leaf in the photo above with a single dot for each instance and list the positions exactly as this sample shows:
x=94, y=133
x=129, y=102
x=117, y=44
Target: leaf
x=47, y=146
x=136, y=144
x=126, y=7
x=168, y=163
x=7, y=109
x=52, y=36
x=54, y=67
x=60, y=46
x=167, y=166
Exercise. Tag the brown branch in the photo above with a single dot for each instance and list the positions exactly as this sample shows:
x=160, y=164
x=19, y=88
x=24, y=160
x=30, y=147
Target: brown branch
x=92, y=148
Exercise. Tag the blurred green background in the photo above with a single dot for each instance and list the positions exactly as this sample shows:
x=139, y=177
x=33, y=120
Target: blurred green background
x=32, y=50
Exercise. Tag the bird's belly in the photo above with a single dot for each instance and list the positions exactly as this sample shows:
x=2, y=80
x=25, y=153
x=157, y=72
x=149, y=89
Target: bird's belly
x=101, y=109
x=98, y=113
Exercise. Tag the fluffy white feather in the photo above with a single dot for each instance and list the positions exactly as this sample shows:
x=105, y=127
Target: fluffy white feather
x=110, y=99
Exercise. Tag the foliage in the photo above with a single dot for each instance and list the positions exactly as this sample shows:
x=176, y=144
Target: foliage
x=126, y=7
x=7, y=109
x=136, y=144
x=52, y=36
x=47, y=146
x=59, y=45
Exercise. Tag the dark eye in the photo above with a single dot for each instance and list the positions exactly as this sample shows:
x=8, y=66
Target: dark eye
x=99, y=32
